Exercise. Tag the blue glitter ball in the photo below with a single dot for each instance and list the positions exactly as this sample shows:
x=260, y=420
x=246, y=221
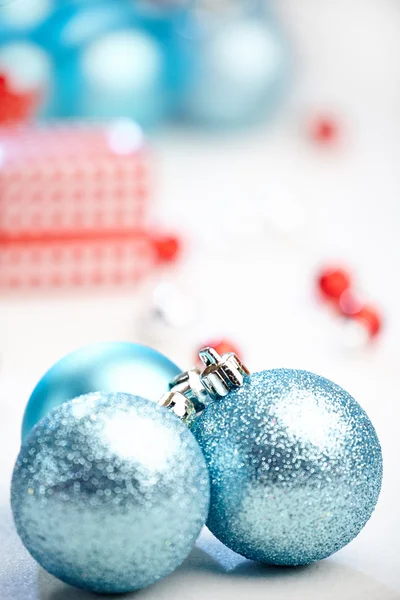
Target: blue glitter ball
x=102, y=367
x=109, y=492
x=295, y=467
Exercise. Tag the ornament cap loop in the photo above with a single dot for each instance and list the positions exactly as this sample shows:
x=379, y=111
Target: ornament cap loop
x=189, y=384
x=209, y=356
x=180, y=405
x=221, y=373
x=191, y=391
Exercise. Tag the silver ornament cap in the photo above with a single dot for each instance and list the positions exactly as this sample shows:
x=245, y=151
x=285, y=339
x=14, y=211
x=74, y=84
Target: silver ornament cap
x=191, y=391
x=223, y=373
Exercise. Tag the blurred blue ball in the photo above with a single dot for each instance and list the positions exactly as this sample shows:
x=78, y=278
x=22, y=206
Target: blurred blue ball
x=105, y=367
x=123, y=74
x=116, y=59
x=64, y=34
x=109, y=492
x=27, y=65
x=28, y=70
x=21, y=19
x=240, y=71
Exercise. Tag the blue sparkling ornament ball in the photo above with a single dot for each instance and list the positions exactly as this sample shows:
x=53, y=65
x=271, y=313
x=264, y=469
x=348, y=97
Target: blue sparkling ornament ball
x=295, y=467
x=109, y=492
x=105, y=367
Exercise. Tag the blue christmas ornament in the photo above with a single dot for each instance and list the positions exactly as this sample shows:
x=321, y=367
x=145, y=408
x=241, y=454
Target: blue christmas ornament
x=240, y=67
x=27, y=65
x=116, y=59
x=109, y=492
x=124, y=75
x=106, y=367
x=21, y=19
x=66, y=34
x=295, y=465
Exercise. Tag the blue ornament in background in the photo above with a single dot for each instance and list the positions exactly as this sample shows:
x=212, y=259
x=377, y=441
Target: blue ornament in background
x=295, y=467
x=66, y=34
x=22, y=19
x=28, y=69
x=106, y=367
x=123, y=74
x=116, y=59
x=240, y=68
x=26, y=63
x=109, y=492
x=170, y=23
x=222, y=65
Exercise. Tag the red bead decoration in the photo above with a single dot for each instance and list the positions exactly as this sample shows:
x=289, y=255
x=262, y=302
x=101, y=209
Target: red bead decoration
x=370, y=318
x=324, y=130
x=336, y=287
x=15, y=107
x=167, y=248
x=333, y=282
x=349, y=304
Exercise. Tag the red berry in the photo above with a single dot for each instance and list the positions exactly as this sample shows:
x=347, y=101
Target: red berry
x=167, y=248
x=324, y=130
x=370, y=318
x=349, y=304
x=15, y=106
x=332, y=282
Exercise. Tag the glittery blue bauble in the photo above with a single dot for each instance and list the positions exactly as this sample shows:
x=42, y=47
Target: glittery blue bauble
x=103, y=367
x=295, y=467
x=109, y=492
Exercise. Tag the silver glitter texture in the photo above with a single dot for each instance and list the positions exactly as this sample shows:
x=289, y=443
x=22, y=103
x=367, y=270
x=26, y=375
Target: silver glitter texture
x=109, y=492
x=295, y=467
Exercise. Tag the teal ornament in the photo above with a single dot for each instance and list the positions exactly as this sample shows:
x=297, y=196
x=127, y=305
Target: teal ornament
x=135, y=89
x=116, y=59
x=106, y=367
x=109, y=492
x=295, y=467
x=240, y=68
x=23, y=19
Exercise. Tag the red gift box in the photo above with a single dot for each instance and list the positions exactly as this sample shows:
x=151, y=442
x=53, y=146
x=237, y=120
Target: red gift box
x=73, y=206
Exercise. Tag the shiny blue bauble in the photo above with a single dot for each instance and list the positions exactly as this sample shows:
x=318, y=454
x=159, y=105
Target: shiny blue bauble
x=105, y=367
x=109, y=492
x=295, y=467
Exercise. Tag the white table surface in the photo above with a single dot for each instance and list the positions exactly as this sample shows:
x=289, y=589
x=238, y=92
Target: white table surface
x=253, y=282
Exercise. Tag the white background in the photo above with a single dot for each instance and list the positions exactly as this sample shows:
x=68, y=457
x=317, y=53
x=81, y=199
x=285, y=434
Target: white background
x=251, y=280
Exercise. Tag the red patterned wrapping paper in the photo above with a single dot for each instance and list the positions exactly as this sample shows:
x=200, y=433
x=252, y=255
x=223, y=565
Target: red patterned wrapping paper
x=73, y=206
